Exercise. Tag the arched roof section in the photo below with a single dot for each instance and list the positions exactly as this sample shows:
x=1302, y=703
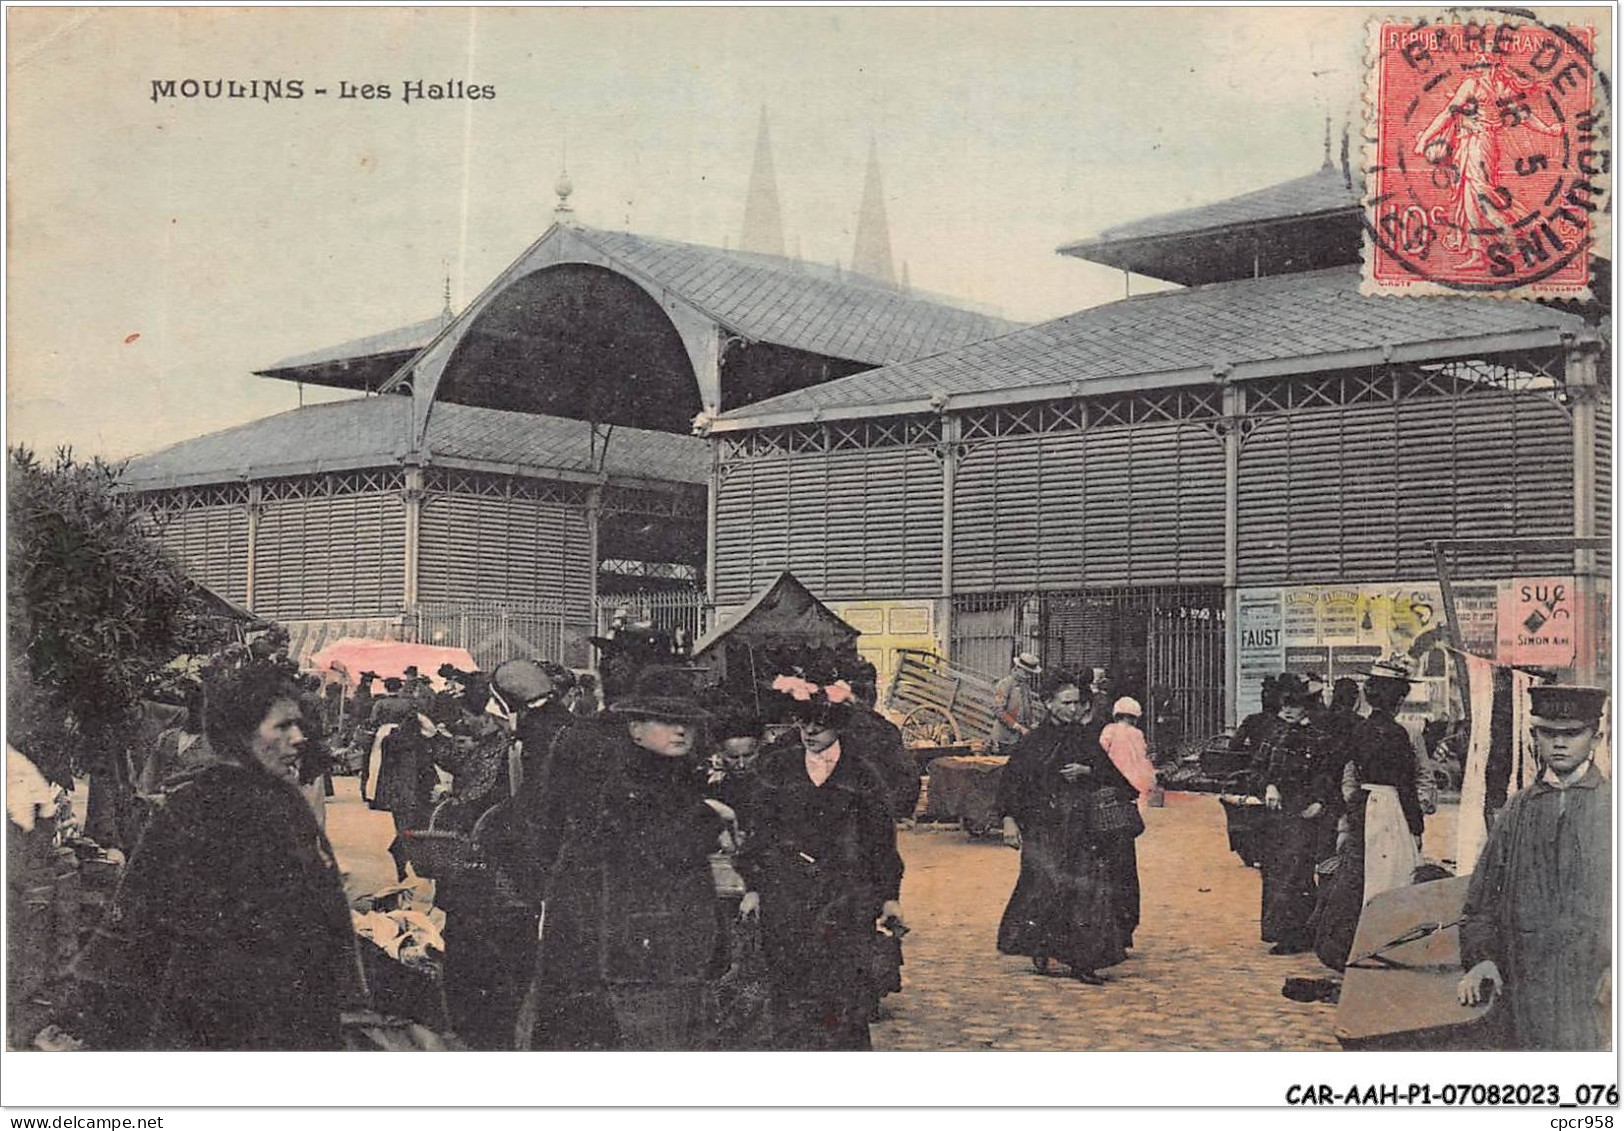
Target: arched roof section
x=489, y=323
x=575, y=340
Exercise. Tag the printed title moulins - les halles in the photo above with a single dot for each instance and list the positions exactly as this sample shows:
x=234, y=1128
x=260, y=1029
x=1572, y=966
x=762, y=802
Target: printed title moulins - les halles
x=291, y=90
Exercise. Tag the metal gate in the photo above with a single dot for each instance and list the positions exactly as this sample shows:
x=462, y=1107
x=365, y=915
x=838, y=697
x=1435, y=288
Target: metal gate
x=1184, y=654
x=682, y=613
x=494, y=632
x=1168, y=638
x=989, y=628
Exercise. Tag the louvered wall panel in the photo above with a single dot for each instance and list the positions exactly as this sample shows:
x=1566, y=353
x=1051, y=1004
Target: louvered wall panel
x=210, y=543
x=1368, y=502
x=1358, y=491
x=1138, y=503
x=1062, y=532
x=752, y=527
x=996, y=506
x=874, y=529
x=1107, y=511
x=331, y=555
x=487, y=547
x=857, y=522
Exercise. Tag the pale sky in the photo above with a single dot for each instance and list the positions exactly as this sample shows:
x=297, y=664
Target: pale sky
x=231, y=234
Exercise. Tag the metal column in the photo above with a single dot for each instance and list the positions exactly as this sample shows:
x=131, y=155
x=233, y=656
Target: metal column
x=412, y=495
x=256, y=506
x=1581, y=388
x=951, y=431
x=594, y=510
x=1233, y=407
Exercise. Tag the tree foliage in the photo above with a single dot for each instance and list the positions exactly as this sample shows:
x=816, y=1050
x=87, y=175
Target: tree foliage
x=95, y=611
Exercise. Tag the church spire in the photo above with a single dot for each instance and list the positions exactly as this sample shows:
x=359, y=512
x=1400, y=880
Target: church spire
x=872, y=254
x=763, y=223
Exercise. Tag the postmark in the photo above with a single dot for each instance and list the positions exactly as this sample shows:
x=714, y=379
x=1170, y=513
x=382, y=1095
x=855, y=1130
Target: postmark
x=1487, y=156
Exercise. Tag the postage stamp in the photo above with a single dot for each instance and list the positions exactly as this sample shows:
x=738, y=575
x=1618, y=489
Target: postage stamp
x=1487, y=157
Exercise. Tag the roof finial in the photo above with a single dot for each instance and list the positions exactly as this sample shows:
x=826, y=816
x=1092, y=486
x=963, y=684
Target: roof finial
x=1327, y=164
x=445, y=313
x=564, y=187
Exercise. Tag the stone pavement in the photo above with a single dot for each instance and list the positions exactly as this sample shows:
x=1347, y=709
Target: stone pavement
x=1199, y=978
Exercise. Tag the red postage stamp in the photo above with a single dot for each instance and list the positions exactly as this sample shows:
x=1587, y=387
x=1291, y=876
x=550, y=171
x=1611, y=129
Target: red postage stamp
x=1487, y=159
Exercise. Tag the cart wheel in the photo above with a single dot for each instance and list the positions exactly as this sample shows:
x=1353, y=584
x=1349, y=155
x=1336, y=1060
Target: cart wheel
x=929, y=726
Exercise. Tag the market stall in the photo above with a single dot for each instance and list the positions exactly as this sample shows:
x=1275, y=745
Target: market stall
x=740, y=653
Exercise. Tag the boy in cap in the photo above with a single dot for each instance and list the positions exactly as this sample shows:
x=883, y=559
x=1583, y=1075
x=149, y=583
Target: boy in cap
x=1539, y=911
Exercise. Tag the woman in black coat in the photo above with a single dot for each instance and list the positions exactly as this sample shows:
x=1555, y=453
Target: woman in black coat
x=230, y=929
x=1063, y=906
x=631, y=932
x=820, y=860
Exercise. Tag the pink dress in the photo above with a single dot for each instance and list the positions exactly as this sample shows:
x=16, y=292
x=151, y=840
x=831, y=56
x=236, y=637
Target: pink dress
x=1125, y=743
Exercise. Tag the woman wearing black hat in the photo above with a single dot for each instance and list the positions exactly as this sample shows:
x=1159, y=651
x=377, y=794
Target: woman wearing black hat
x=820, y=858
x=630, y=932
x=1299, y=779
x=1063, y=907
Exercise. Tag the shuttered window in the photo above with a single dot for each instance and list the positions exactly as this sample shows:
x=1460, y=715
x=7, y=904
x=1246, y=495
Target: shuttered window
x=1137, y=498
x=1351, y=476
x=496, y=539
x=205, y=531
x=853, y=510
x=331, y=546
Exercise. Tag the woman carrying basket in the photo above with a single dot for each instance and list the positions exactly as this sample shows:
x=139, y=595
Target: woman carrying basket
x=1064, y=806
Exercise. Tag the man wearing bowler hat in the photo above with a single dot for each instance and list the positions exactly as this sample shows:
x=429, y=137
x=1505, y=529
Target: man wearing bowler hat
x=1538, y=916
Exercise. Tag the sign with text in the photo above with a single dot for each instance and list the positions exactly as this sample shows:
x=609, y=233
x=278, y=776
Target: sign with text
x=1536, y=622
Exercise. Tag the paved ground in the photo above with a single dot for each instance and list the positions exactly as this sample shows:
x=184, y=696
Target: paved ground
x=1199, y=978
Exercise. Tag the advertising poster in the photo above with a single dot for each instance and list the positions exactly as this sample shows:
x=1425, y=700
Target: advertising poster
x=1477, y=608
x=1537, y=622
x=1261, y=646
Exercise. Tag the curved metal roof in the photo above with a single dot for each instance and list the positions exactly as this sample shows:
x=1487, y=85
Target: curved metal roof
x=1271, y=326
x=764, y=298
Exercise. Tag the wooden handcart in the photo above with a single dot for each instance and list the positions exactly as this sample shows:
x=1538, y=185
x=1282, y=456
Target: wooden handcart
x=937, y=704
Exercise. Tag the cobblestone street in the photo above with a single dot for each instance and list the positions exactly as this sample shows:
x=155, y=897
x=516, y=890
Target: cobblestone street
x=1199, y=978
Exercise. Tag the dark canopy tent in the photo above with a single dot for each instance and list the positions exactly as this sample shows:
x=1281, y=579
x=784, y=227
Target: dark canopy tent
x=784, y=615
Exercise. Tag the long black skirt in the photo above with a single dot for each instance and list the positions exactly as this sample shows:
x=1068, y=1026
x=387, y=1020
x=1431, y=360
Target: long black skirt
x=1064, y=904
x=1288, y=879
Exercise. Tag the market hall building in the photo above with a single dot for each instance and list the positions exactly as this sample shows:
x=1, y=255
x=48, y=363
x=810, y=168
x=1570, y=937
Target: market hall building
x=527, y=465
x=1194, y=487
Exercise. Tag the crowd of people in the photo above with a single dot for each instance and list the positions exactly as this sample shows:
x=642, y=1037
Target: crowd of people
x=1346, y=794
x=583, y=911
x=621, y=864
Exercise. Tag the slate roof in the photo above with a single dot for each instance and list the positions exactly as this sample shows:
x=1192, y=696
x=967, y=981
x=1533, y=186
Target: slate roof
x=1289, y=323
x=407, y=339
x=374, y=432
x=1319, y=192
x=805, y=306
x=765, y=298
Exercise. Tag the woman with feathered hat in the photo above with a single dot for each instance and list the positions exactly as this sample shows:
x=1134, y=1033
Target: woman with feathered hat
x=820, y=859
